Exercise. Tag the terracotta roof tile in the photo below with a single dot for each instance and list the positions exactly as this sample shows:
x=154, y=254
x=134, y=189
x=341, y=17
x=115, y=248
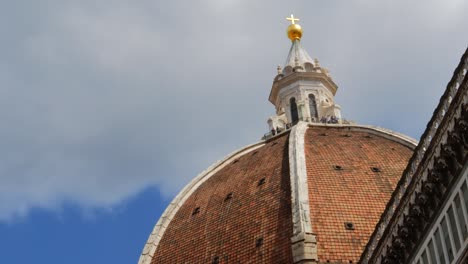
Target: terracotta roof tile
x=355, y=193
x=229, y=229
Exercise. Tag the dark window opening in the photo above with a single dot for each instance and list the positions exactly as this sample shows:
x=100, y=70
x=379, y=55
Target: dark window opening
x=313, y=108
x=196, y=211
x=259, y=242
x=294, y=113
x=261, y=181
x=375, y=169
x=228, y=197
x=349, y=225
x=215, y=260
x=337, y=167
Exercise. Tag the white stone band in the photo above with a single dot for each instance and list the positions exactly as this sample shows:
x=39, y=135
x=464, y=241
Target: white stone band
x=298, y=174
x=303, y=241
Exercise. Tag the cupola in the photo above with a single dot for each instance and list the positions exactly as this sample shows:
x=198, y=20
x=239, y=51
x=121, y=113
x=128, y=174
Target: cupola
x=302, y=90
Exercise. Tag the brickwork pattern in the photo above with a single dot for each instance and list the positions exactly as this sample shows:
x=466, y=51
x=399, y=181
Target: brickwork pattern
x=238, y=220
x=351, y=176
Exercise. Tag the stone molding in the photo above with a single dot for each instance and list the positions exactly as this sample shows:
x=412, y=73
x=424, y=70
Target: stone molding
x=303, y=241
x=158, y=231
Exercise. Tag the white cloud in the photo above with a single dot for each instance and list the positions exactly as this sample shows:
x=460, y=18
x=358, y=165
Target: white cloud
x=100, y=100
x=118, y=39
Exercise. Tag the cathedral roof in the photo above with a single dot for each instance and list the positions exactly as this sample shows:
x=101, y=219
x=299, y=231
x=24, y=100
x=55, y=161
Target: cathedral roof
x=329, y=182
x=240, y=214
x=351, y=175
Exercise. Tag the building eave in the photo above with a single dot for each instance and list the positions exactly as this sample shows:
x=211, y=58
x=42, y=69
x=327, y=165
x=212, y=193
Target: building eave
x=391, y=242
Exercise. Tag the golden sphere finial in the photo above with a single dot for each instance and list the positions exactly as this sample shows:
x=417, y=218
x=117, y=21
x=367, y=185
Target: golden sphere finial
x=294, y=30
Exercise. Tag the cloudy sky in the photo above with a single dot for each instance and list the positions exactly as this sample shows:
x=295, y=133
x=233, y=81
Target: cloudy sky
x=108, y=108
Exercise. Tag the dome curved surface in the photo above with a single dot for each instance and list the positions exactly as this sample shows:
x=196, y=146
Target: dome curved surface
x=351, y=176
x=243, y=213
x=285, y=200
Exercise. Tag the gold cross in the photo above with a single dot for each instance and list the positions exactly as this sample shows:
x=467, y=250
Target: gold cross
x=292, y=19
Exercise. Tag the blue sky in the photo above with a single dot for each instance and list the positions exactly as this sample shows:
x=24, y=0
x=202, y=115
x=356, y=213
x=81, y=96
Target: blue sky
x=109, y=108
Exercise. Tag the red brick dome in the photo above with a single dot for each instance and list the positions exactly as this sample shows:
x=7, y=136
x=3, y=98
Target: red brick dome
x=309, y=195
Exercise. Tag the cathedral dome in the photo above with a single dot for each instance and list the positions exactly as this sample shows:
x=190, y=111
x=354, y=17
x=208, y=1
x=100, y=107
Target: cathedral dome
x=311, y=191
x=315, y=187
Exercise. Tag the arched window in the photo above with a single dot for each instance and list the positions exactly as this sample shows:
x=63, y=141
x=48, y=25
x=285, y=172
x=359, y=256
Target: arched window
x=294, y=114
x=313, y=107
